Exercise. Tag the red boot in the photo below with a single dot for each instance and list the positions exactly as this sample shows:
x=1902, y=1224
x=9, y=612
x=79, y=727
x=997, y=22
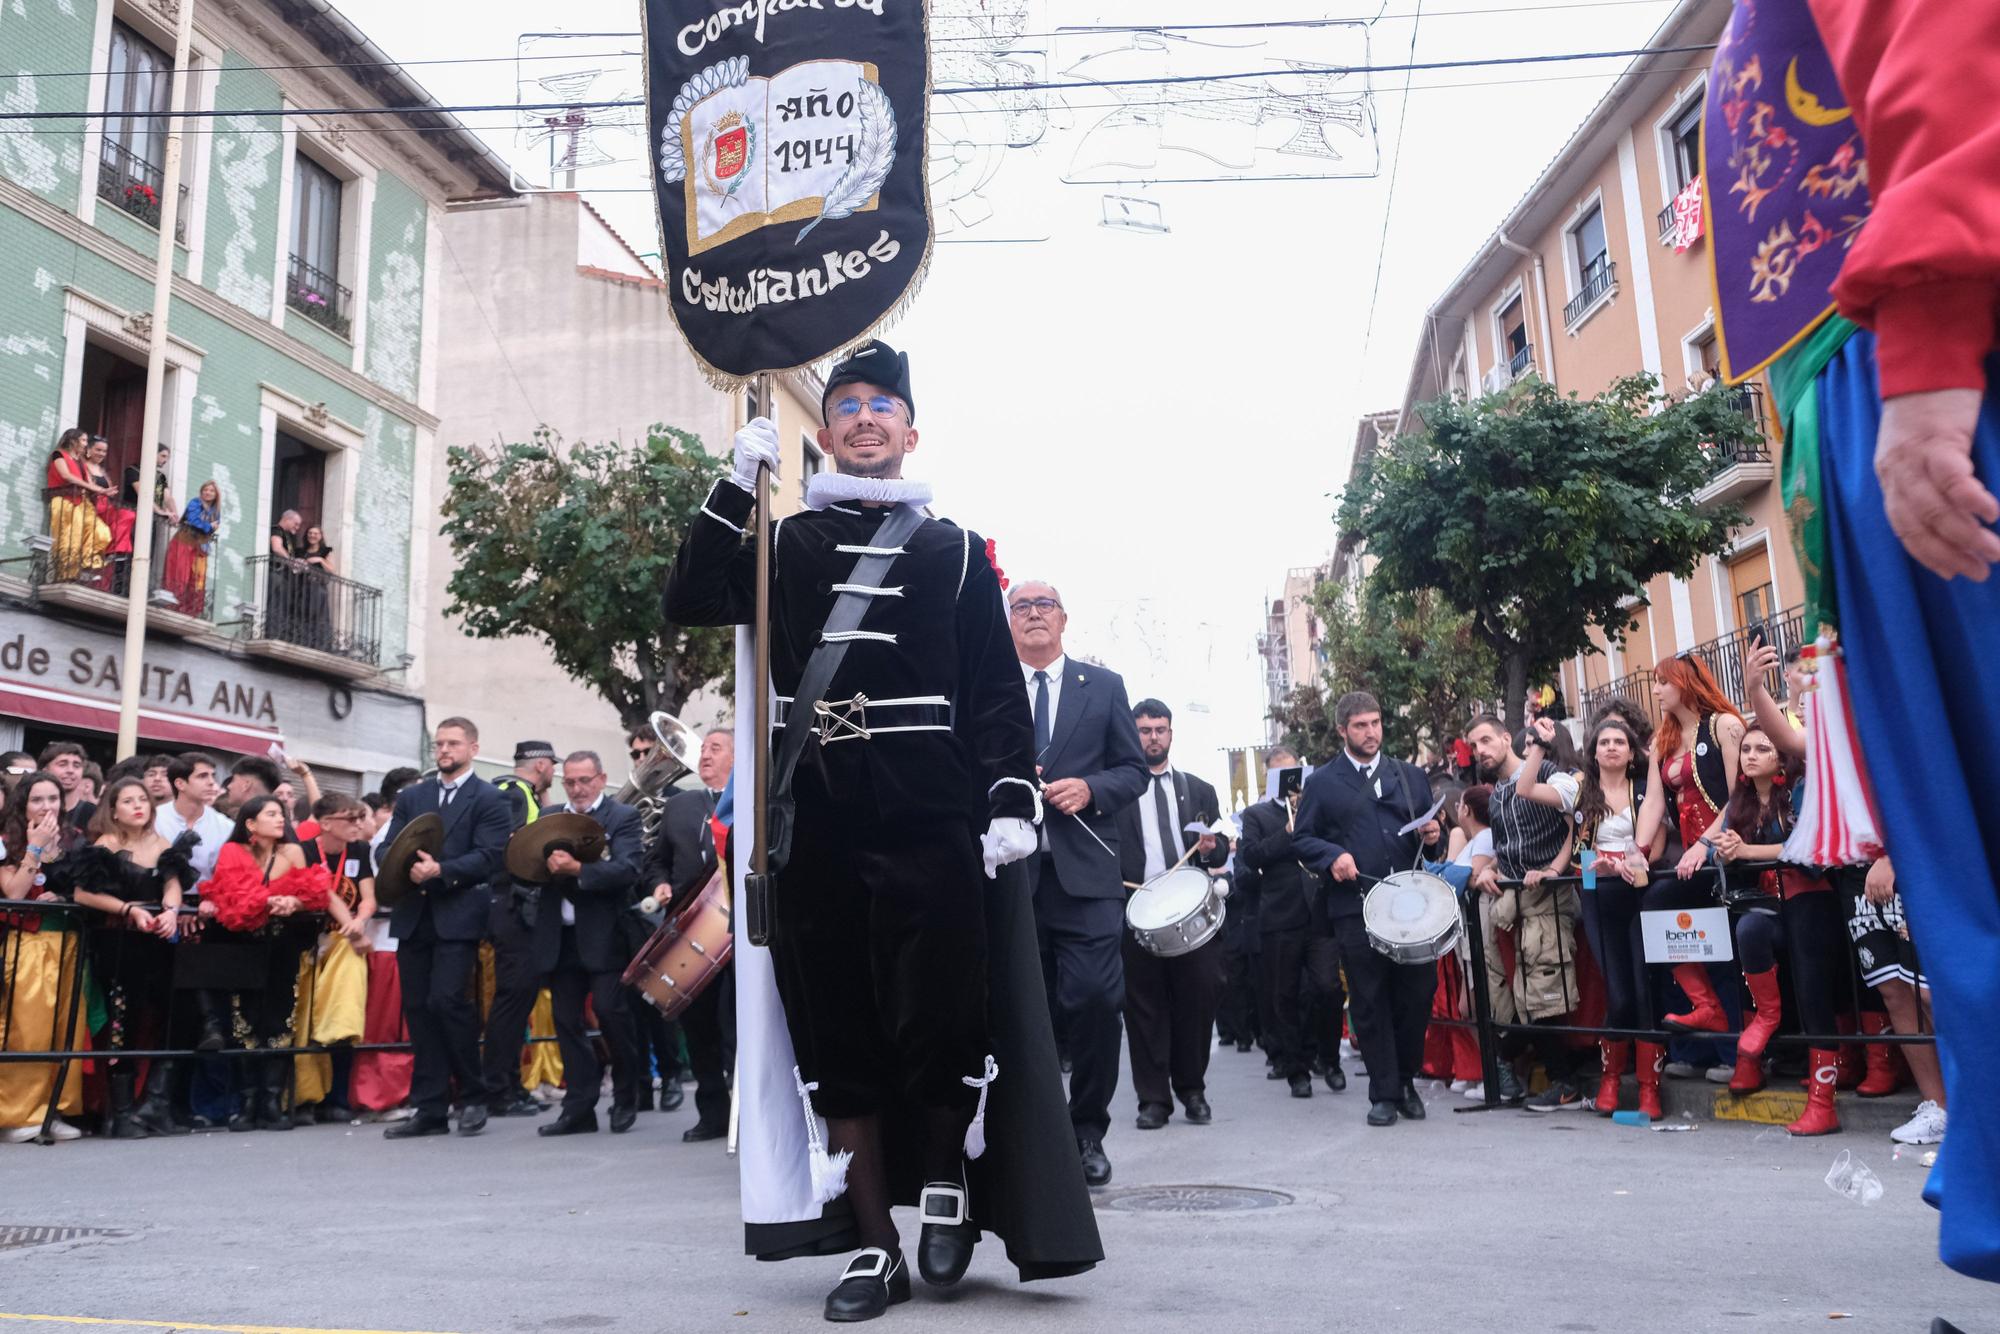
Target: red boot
x=1749, y=1076
x=1652, y=1060
x=1707, y=1015
x=1615, y=1057
x=1882, y=1077
x=1820, y=1117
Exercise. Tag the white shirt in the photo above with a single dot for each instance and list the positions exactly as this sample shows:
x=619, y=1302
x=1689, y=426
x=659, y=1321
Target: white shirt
x=448, y=787
x=1481, y=845
x=1368, y=770
x=1149, y=821
x=569, y=908
x=1055, y=672
x=212, y=828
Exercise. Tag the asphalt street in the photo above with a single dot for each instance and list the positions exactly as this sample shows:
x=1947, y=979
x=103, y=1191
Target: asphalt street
x=1500, y=1220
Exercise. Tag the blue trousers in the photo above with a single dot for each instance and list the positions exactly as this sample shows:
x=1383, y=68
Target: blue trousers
x=1923, y=659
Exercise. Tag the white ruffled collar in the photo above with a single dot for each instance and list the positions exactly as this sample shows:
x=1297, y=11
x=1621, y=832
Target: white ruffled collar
x=824, y=488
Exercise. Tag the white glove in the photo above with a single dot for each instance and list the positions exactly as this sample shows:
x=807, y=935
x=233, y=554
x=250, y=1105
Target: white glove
x=756, y=446
x=1006, y=841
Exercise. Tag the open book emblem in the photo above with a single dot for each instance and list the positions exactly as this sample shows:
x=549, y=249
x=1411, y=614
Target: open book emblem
x=810, y=144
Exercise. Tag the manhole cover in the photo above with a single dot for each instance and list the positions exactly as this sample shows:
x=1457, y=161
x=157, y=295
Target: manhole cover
x=13, y=1238
x=1188, y=1199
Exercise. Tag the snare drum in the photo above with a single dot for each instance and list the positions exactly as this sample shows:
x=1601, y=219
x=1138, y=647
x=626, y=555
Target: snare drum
x=1177, y=913
x=1412, y=917
x=685, y=955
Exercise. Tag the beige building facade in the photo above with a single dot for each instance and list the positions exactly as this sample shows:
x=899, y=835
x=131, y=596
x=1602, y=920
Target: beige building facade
x=1586, y=281
x=557, y=321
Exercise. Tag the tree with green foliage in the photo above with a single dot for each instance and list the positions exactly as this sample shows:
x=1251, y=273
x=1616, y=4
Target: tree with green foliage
x=1537, y=515
x=1420, y=658
x=570, y=544
x=1305, y=723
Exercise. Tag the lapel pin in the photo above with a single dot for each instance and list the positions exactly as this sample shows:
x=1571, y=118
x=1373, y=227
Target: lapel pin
x=1079, y=678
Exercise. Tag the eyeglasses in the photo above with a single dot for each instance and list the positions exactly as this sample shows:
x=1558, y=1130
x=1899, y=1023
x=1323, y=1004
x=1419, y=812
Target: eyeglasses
x=880, y=406
x=1042, y=605
x=640, y=752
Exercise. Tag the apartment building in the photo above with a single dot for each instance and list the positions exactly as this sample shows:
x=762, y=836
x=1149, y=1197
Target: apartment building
x=300, y=374
x=1601, y=271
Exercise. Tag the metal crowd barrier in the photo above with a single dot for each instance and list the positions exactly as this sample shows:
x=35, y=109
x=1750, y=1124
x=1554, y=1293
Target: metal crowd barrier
x=1490, y=1031
x=71, y=962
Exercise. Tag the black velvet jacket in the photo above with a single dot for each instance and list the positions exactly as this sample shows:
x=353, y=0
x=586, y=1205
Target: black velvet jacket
x=947, y=640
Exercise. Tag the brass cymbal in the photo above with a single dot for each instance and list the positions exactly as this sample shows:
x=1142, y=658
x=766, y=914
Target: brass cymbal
x=392, y=868
x=528, y=851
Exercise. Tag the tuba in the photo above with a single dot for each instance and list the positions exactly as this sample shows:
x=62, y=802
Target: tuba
x=647, y=789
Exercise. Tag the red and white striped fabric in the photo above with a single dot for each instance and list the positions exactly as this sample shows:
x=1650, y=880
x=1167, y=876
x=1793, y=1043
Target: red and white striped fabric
x=1838, y=826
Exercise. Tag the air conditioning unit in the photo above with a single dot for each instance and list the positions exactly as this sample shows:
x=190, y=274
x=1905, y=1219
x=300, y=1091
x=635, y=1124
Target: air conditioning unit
x=1497, y=379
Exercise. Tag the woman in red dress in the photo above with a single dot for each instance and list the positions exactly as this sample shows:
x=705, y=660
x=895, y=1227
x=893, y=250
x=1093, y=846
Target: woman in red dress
x=263, y=891
x=1693, y=764
x=119, y=520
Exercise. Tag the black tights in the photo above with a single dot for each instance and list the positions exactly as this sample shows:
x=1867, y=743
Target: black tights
x=1810, y=927
x=1611, y=924
x=868, y=1171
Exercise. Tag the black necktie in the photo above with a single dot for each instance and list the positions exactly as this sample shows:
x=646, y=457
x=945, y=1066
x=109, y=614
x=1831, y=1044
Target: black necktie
x=1170, y=843
x=446, y=794
x=1041, y=713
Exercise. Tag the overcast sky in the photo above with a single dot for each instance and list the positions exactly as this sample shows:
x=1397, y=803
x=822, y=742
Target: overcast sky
x=1158, y=423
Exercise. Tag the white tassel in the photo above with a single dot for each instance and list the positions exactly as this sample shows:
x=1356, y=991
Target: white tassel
x=829, y=1171
x=975, y=1134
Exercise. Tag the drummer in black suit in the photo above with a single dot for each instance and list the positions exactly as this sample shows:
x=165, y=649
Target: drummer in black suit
x=437, y=927
x=1347, y=829
x=579, y=945
x=1170, y=1003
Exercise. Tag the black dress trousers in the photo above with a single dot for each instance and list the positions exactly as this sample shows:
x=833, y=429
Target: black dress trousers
x=583, y=1074
x=515, y=986
x=1281, y=1001
x=1079, y=941
x=1391, y=1006
x=1170, y=1018
x=444, y=1025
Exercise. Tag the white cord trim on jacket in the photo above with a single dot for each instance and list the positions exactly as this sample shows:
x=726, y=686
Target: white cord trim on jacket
x=1033, y=791
x=719, y=519
x=870, y=590
x=964, y=558
x=850, y=550
x=845, y=636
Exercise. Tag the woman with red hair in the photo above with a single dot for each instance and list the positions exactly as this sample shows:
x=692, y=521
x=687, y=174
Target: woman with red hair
x=1693, y=764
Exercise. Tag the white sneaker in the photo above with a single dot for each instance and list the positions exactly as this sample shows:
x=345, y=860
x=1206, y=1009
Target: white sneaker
x=62, y=1129
x=1475, y=1092
x=1926, y=1127
x=1460, y=1085
x=19, y=1134
x=1680, y=1070
x=1719, y=1074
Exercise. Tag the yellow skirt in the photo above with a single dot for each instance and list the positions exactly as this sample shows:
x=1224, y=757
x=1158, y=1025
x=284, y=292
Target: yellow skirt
x=78, y=538
x=338, y=979
x=36, y=985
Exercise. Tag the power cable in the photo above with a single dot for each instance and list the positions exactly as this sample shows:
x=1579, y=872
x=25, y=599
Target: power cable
x=1389, y=207
x=1227, y=76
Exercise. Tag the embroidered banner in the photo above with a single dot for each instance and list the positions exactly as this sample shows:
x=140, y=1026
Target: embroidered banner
x=1787, y=182
x=788, y=153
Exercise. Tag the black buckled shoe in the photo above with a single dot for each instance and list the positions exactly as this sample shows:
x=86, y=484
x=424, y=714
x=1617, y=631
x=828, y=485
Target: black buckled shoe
x=1410, y=1107
x=1153, y=1115
x=873, y=1281
x=1198, y=1113
x=944, y=1248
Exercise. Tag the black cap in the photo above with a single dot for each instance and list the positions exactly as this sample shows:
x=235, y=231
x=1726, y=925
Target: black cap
x=876, y=363
x=533, y=750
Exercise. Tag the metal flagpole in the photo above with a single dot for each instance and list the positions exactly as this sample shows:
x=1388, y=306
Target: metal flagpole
x=139, y=574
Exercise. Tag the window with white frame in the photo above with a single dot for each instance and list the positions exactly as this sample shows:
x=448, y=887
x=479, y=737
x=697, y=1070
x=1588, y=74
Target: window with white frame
x=138, y=88
x=313, y=285
x=1514, y=336
x=1589, y=264
x=812, y=458
x=1684, y=145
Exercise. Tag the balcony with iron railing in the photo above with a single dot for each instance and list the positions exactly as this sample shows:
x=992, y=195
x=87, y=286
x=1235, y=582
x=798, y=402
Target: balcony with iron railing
x=1738, y=469
x=1521, y=362
x=83, y=561
x=1664, y=221
x=1724, y=658
x=318, y=297
x=308, y=617
x=134, y=184
x=1600, y=280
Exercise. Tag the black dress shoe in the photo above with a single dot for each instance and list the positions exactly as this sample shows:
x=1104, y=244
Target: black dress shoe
x=944, y=1249
x=874, y=1281
x=701, y=1131
x=623, y=1119
x=416, y=1126
x=672, y=1096
x=1302, y=1085
x=1096, y=1167
x=1336, y=1080
x=1244, y=1044
x=571, y=1123
x=520, y=1105
x=1382, y=1114
x=1198, y=1113
x=472, y=1118
x=1271, y=1071
x=1153, y=1115
x=1410, y=1106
